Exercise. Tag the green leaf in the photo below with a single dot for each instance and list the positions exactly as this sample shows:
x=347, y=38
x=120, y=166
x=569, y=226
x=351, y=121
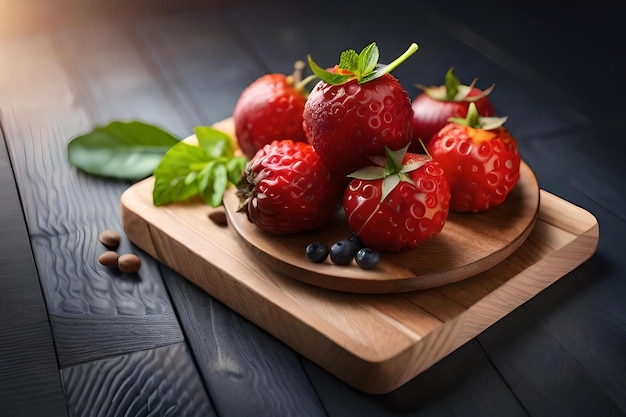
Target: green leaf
x=214, y=142
x=474, y=120
x=368, y=59
x=363, y=67
x=215, y=185
x=235, y=168
x=327, y=76
x=389, y=183
x=204, y=169
x=122, y=150
x=171, y=174
x=349, y=60
x=369, y=173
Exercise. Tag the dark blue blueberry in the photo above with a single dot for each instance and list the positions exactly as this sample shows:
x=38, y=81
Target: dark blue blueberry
x=367, y=258
x=356, y=240
x=316, y=252
x=343, y=252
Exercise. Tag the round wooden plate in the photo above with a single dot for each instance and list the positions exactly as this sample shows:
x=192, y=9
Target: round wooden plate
x=469, y=243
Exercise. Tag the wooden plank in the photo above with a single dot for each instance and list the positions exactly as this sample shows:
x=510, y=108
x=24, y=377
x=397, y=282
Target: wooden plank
x=96, y=311
x=247, y=371
x=159, y=382
x=579, y=316
x=202, y=61
x=447, y=389
x=545, y=371
x=30, y=383
x=116, y=79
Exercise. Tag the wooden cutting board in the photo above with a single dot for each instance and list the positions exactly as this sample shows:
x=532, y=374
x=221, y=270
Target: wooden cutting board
x=469, y=243
x=374, y=342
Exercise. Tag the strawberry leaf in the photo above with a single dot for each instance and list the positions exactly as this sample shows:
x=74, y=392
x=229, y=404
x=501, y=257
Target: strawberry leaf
x=453, y=90
x=369, y=173
x=327, y=76
x=389, y=183
x=363, y=66
x=368, y=59
x=474, y=120
x=349, y=60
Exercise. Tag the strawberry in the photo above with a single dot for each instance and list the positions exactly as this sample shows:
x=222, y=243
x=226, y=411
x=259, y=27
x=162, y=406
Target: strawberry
x=285, y=188
x=436, y=104
x=398, y=203
x=357, y=109
x=270, y=109
x=480, y=159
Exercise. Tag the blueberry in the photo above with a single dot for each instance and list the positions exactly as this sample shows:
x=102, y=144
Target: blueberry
x=343, y=251
x=356, y=240
x=316, y=252
x=367, y=258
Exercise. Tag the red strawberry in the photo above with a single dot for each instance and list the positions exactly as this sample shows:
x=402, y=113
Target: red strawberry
x=480, y=159
x=286, y=189
x=270, y=109
x=399, y=203
x=436, y=104
x=356, y=110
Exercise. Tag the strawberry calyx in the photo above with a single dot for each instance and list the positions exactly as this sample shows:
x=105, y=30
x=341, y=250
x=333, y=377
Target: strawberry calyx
x=453, y=90
x=476, y=121
x=391, y=169
x=363, y=66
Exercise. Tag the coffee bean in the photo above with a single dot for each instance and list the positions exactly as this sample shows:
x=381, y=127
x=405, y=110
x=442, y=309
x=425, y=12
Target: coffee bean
x=109, y=258
x=110, y=238
x=129, y=262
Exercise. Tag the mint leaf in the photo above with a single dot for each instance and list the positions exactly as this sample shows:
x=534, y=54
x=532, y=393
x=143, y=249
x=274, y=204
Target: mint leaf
x=234, y=169
x=349, y=60
x=327, y=76
x=215, y=181
x=205, y=169
x=176, y=175
x=368, y=59
x=214, y=142
x=122, y=150
x=363, y=67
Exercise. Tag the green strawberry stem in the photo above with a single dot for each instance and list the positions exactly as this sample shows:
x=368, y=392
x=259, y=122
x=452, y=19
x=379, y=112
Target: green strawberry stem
x=452, y=89
x=390, y=169
x=362, y=67
x=386, y=69
x=296, y=80
x=476, y=121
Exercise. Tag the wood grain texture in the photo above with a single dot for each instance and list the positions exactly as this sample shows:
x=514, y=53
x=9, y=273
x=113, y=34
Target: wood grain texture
x=365, y=340
x=247, y=371
x=447, y=389
x=202, y=61
x=156, y=382
x=563, y=347
x=49, y=96
x=30, y=384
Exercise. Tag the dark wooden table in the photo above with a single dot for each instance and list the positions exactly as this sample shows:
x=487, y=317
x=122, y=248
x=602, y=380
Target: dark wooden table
x=79, y=340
